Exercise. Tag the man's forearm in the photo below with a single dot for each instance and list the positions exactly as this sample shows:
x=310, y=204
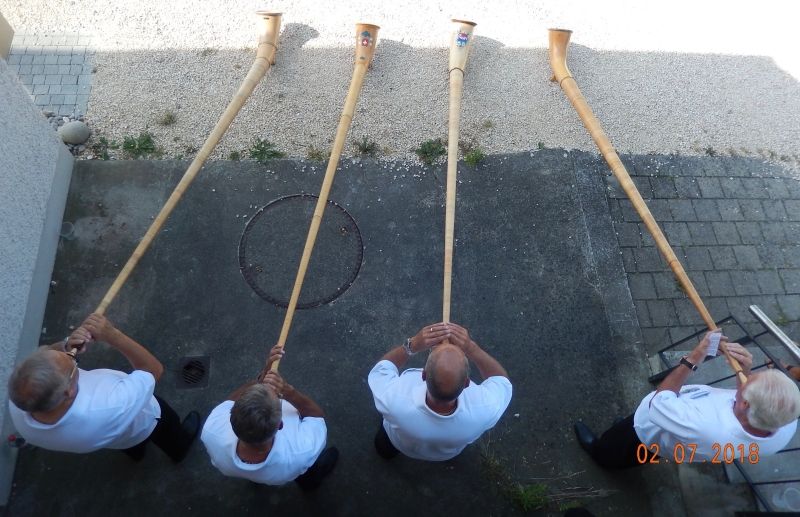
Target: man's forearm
x=139, y=357
x=487, y=365
x=396, y=355
x=304, y=405
x=677, y=377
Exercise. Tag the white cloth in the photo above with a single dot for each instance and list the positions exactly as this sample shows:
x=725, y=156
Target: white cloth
x=704, y=416
x=419, y=432
x=297, y=446
x=112, y=410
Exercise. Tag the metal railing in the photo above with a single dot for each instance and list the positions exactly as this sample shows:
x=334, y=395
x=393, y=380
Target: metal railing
x=771, y=345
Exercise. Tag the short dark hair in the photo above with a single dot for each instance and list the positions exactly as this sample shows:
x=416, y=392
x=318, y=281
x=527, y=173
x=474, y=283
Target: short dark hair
x=37, y=384
x=439, y=390
x=255, y=417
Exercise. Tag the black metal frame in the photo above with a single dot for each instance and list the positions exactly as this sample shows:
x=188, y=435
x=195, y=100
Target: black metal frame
x=745, y=339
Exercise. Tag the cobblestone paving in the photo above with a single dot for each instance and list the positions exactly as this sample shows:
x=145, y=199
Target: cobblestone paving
x=56, y=69
x=734, y=224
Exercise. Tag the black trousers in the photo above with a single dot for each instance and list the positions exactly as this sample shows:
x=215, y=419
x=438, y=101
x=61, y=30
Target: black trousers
x=617, y=447
x=312, y=477
x=168, y=435
x=383, y=444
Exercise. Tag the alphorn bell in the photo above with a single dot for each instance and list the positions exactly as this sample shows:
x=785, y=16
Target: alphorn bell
x=265, y=57
x=366, y=38
x=460, y=43
x=559, y=41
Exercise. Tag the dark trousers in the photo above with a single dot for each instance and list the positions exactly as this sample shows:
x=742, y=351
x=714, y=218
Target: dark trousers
x=617, y=447
x=383, y=444
x=312, y=477
x=168, y=435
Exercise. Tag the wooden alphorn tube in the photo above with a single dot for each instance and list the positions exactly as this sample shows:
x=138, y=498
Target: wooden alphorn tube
x=265, y=57
x=366, y=38
x=460, y=44
x=559, y=41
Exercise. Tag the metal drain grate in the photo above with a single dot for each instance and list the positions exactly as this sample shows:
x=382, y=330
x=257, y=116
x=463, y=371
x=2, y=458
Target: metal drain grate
x=193, y=372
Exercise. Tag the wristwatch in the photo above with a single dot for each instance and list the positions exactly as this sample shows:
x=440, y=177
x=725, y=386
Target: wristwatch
x=407, y=347
x=685, y=362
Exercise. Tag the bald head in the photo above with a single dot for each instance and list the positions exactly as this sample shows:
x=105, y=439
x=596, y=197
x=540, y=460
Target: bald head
x=446, y=373
x=40, y=382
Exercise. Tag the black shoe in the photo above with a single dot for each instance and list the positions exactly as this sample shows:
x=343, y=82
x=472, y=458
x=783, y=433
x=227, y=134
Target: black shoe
x=585, y=437
x=312, y=478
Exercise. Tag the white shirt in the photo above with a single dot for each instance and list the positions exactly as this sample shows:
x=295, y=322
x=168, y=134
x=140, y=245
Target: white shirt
x=704, y=416
x=296, y=447
x=112, y=410
x=419, y=432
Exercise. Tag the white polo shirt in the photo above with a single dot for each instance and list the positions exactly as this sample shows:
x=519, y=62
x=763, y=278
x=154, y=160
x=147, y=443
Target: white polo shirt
x=112, y=410
x=419, y=432
x=296, y=447
x=704, y=416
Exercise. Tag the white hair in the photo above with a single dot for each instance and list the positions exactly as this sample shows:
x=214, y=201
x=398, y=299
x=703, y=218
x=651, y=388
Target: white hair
x=774, y=400
x=37, y=384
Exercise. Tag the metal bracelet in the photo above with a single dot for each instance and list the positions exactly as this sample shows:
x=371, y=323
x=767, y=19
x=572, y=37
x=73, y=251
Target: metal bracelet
x=407, y=347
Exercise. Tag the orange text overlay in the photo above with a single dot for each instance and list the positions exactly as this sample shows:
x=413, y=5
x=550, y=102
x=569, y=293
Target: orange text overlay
x=685, y=453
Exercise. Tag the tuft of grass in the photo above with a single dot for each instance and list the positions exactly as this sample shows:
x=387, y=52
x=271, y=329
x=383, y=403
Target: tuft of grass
x=710, y=151
x=782, y=320
x=263, y=151
x=474, y=156
x=101, y=147
x=540, y=146
x=317, y=155
x=430, y=151
x=366, y=147
x=167, y=118
x=530, y=497
x=139, y=146
x=234, y=156
x=487, y=124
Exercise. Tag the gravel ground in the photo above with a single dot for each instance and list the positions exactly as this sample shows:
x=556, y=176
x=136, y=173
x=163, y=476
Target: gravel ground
x=691, y=79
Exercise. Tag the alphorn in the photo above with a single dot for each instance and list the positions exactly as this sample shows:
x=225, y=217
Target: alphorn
x=265, y=57
x=366, y=38
x=460, y=43
x=559, y=41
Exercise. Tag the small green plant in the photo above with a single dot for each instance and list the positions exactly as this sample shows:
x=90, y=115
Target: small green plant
x=474, y=157
x=782, y=320
x=101, y=147
x=530, y=497
x=317, y=155
x=167, y=118
x=263, y=151
x=487, y=124
x=430, y=151
x=710, y=151
x=366, y=147
x=540, y=146
x=139, y=146
x=234, y=156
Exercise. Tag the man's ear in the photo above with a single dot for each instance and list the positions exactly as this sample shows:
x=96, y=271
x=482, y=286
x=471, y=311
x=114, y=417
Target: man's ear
x=466, y=382
x=280, y=426
x=424, y=377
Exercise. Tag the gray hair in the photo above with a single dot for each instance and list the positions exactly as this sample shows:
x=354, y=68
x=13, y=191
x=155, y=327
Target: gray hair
x=256, y=415
x=774, y=400
x=438, y=389
x=37, y=384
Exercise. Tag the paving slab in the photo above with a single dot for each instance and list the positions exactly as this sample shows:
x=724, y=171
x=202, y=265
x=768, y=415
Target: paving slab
x=538, y=280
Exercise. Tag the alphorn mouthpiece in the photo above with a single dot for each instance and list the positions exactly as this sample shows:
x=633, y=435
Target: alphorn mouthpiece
x=268, y=37
x=366, y=38
x=558, y=43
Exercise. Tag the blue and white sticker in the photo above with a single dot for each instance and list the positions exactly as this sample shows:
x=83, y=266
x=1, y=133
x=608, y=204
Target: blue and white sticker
x=461, y=39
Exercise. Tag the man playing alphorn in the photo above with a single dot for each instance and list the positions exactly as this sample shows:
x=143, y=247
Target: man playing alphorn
x=270, y=433
x=696, y=423
x=434, y=413
x=58, y=406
